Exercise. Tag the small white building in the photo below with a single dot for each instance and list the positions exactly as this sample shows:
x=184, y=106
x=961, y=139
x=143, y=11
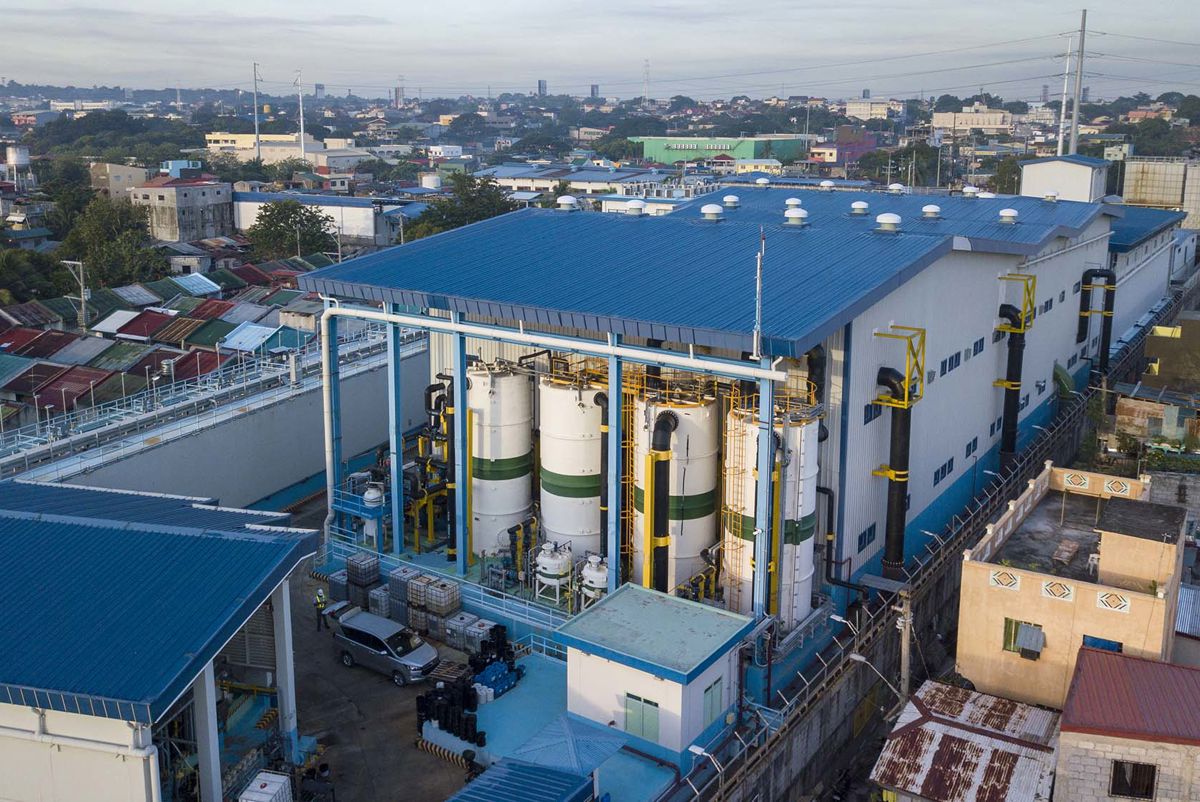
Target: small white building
x=445, y=151
x=664, y=670
x=1073, y=177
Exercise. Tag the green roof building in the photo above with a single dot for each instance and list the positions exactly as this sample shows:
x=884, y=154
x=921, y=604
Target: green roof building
x=671, y=149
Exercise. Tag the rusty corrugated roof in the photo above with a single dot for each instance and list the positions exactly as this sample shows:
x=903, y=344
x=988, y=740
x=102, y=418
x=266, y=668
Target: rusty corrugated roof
x=1132, y=697
x=955, y=745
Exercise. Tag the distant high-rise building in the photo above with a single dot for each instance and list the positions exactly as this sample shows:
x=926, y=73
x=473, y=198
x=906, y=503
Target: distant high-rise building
x=541, y=88
x=319, y=91
x=595, y=90
x=1086, y=94
x=866, y=95
x=398, y=97
x=1045, y=93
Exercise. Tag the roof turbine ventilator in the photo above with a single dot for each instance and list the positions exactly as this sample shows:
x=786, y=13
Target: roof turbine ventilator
x=730, y=201
x=970, y=191
x=932, y=211
x=793, y=202
x=826, y=184
x=888, y=222
x=711, y=211
x=635, y=208
x=1051, y=197
x=859, y=207
x=895, y=189
x=1008, y=216
x=566, y=203
x=762, y=182
x=986, y=195
x=795, y=217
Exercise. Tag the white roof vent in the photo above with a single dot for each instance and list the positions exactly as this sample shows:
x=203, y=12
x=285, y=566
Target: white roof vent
x=566, y=203
x=826, y=184
x=970, y=191
x=730, y=201
x=792, y=202
x=859, y=207
x=1051, y=196
x=711, y=211
x=896, y=189
x=932, y=211
x=987, y=194
x=762, y=182
x=795, y=216
x=1008, y=216
x=888, y=222
x=635, y=207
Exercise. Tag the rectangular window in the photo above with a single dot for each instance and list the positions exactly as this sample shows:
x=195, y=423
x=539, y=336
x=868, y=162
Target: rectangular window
x=1062, y=296
x=997, y=336
x=943, y=371
x=1011, y=625
x=972, y=447
x=871, y=412
x=1132, y=780
x=977, y=348
x=641, y=717
x=1024, y=400
x=714, y=701
x=866, y=537
x=1103, y=643
x=992, y=429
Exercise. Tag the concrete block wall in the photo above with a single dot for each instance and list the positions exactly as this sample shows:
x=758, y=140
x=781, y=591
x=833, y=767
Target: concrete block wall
x=1085, y=763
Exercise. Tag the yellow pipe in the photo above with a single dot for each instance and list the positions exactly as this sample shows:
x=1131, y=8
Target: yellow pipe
x=773, y=574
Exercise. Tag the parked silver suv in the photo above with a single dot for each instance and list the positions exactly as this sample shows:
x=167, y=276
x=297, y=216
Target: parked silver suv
x=381, y=644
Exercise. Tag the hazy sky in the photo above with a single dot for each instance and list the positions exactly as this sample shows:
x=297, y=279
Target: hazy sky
x=696, y=47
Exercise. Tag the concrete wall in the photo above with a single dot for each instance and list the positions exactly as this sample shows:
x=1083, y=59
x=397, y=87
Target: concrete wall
x=596, y=691
x=32, y=770
x=1085, y=764
x=261, y=452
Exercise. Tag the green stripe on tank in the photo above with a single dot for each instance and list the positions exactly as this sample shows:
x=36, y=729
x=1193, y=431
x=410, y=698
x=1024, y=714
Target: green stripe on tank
x=794, y=532
x=682, y=508
x=561, y=484
x=497, y=470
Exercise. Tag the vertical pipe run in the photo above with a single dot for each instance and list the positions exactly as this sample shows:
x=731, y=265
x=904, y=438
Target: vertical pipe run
x=659, y=474
x=601, y=400
x=1110, y=302
x=458, y=452
x=331, y=398
x=763, y=494
x=395, y=435
x=897, y=496
x=1012, y=388
x=615, y=468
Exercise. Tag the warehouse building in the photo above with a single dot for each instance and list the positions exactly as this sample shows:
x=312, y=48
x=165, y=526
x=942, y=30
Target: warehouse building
x=671, y=149
x=107, y=692
x=357, y=222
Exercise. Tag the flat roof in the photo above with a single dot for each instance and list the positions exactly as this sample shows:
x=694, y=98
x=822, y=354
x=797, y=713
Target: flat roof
x=1059, y=519
x=669, y=637
x=1131, y=697
x=1145, y=519
x=90, y=643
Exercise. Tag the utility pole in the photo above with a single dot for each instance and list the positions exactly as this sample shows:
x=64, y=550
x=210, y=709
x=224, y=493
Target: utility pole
x=300, y=94
x=904, y=624
x=1062, y=109
x=77, y=273
x=257, y=143
x=1078, y=84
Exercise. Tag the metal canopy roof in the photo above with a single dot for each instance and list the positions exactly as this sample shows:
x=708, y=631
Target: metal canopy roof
x=675, y=278
x=511, y=780
x=1140, y=224
x=138, y=654
x=82, y=351
x=572, y=745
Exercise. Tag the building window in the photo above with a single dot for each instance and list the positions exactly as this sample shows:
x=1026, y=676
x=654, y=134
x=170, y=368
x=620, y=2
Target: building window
x=1062, y=296
x=943, y=471
x=997, y=336
x=871, y=412
x=1024, y=400
x=714, y=698
x=1011, y=626
x=1103, y=643
x=977, y=348
x=641, y=717
x=972, y=447
x=866, y=537
x=1132, y=780
x=943, y=372
x=1075, y=289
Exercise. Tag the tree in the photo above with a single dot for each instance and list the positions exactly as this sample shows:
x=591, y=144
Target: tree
x=948, y=103
x=382, y=171
x=617, y=148
x=1171, y=98
x=112, y=237
x=467, y=127
x=1007, y=178
x=289, y=228
x=27, y=275
x=471, y=199
x=1189, y=107
x=284, y=170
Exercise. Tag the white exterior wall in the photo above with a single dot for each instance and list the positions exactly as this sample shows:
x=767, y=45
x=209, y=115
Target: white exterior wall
x=1075, y=182
x=724, y=669
x=356, y=222
x=962, y=404
x=1143, y=277
x=30, y=770
x=596, y=690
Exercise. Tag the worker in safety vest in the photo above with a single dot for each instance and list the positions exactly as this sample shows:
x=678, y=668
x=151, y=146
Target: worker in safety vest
x=319, y=603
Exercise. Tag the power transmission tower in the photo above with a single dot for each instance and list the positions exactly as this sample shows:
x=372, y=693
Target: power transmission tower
x=646, y=83
x=1078, y=84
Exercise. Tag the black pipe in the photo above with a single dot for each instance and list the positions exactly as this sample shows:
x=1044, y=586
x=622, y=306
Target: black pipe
x=1085, y=300
x=1110, y=303
x=816, y=372
x=521, y=360
x=431, y=391
x=897, y=497
x=451, y=484
x=830, y=516
x=1012, y=392
x=653, y=372
x=660, y=440
x=601, y=400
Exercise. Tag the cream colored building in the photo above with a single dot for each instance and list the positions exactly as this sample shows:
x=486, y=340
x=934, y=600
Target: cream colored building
x=274, y=147
x=1078, y=559
x=972, y=118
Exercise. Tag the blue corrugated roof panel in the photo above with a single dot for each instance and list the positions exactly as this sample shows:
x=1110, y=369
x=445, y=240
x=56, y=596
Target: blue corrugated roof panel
x=514, y=781
x=675, y=278
x=572, y=745
x=129, y=506
x=1140, y=224
x=1072, y=158
x=117, y=620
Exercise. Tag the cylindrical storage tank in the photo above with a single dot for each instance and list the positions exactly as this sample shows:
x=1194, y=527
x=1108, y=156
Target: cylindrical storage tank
x=501, y=453
x=796, y=507
x=569, y=450
x=430, y=180
x=17, y=156
x=692, y=511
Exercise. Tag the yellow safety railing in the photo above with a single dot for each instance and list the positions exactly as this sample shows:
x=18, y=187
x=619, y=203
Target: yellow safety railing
x=913, y=338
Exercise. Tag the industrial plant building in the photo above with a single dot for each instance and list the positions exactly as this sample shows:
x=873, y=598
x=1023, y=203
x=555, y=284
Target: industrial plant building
x=766, y=402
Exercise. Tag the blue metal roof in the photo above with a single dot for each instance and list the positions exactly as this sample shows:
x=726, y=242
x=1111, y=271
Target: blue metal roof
x=796, y=180
x=1140, y=224
x=117, y=619
x=675, y=277
x=571, y=744
x=669, y=637
x=514, y=781
x=128, y=506
x=1072, y=158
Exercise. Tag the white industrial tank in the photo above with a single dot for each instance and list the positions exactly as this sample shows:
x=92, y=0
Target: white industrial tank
x=552, y=577
x=694, y=468
x=430, y=180
x=594, y=579
x=569, y=447
x=500, y=400
x=796, y=498
x=372, y=499
x=16, y=156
